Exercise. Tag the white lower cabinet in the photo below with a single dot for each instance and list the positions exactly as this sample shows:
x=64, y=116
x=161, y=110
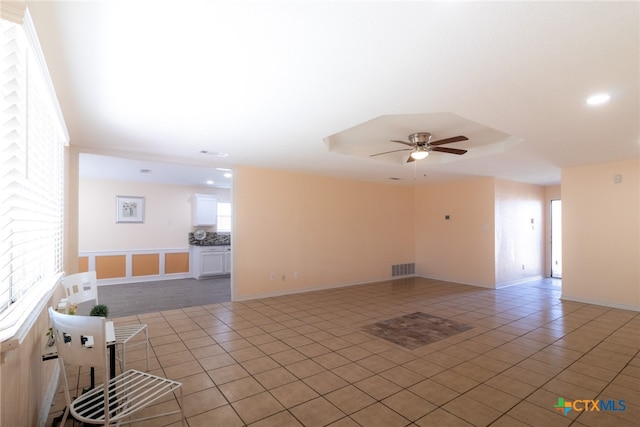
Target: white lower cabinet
x=210, y=261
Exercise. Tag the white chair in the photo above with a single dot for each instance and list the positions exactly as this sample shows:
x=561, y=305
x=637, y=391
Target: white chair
x=83, y=287
x=81, y=340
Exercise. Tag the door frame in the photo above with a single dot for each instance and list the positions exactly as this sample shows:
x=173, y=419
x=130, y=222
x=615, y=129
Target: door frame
x=556, y=238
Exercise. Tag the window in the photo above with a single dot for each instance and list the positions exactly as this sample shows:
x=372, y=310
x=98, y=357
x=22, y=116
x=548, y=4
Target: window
x=224, y=218
x=31, y=178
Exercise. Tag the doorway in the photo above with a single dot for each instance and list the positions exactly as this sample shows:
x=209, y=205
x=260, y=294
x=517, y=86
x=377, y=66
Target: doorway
x=168, y=188
x=556, y=239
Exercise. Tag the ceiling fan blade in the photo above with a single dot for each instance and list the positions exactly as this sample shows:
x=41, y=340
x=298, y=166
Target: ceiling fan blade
x=403, y=142
x=449, y=150
x=387, y=152
x=410, y=159
x=449, y=140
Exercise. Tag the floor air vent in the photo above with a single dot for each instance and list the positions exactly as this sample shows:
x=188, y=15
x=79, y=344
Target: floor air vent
x=403, y=269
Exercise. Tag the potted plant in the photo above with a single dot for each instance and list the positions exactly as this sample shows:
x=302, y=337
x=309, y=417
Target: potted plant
x=51, y=339
x=99, y=310
x=72, y=308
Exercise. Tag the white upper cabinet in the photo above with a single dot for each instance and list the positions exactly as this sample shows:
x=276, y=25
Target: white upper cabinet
x=205, y=210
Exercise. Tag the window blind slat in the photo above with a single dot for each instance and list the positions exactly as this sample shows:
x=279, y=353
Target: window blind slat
x=31, y=178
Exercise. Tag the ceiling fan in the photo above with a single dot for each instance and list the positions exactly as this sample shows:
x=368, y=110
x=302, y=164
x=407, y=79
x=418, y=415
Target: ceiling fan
x=421, y=146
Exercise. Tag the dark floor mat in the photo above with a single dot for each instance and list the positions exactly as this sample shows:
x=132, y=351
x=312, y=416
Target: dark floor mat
x=416, y=329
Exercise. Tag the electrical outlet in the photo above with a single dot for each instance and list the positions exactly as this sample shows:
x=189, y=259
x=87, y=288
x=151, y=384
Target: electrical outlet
x=273, y=276
x=296, y=275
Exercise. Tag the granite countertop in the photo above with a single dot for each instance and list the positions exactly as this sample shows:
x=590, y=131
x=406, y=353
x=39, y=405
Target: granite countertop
x=211, y=239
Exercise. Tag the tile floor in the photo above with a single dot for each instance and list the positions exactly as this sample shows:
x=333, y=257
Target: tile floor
x=303, y=360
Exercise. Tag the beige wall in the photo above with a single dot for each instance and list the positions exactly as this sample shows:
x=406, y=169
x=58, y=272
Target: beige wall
x=519, y=224
x=25, y=378
x=489, y=236
x=601, y=234
x=70, y=249
x=167, y=218
x=331, y=231
x=460, y=249
x=553, y=192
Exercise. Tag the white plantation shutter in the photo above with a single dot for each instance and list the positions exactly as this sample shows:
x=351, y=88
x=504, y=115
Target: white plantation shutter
x=31, y=176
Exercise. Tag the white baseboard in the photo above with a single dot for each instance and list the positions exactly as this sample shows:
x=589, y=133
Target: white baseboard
x=457, y=282
x=611, y=304
x=478, y=285
x=518, y=281
x=283, y=292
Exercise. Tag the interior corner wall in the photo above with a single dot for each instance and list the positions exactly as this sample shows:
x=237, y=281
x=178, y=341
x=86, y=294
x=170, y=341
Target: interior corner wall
x=331, y=232
x=70, y=240
x=601, y=234
x=460, y=249
x=519, y=232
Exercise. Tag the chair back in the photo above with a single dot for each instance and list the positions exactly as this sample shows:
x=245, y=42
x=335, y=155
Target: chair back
x=80, y=340
x=81, y=287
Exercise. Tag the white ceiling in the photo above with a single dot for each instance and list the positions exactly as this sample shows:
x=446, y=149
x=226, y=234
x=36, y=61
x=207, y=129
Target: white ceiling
x=276, y=83
x=124, y=169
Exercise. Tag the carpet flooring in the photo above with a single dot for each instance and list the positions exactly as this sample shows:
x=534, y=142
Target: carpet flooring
x=151, y=297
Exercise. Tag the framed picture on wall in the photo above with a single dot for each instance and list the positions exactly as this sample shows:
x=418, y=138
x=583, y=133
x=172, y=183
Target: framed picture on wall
x=129, y=209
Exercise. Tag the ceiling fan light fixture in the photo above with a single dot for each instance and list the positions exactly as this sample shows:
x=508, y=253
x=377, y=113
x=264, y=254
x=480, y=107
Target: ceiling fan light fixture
x=598, y=99
x=421, y=146
x=419, y=154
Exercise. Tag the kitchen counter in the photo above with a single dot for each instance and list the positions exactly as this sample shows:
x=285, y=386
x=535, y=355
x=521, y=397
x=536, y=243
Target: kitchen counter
x=211, y=239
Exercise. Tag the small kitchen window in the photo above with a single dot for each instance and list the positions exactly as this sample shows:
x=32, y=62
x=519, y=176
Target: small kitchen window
x=224, y=218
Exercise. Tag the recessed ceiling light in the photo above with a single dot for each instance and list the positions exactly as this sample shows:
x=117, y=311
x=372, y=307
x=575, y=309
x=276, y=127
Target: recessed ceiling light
x=223, y=169
x=145, y=170
x=228, y=175
x=210, y=182
x=598, y=99
x=214, y=153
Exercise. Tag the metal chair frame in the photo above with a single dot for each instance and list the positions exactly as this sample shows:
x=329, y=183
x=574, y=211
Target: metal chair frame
x=81, y=341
